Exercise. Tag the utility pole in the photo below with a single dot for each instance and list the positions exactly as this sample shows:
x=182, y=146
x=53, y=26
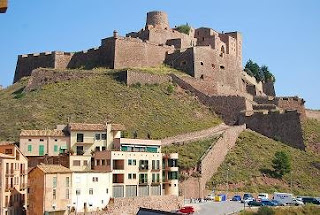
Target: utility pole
x=228, y=180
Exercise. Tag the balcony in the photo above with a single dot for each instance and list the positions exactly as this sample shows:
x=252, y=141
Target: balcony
x=143, y=168
x=155, y=183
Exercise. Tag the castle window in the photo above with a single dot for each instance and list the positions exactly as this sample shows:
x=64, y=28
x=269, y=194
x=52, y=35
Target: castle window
x=213, y=66
x=183, y=63
x=222, y=51
x=202, y=38
x=221, y=67
x=201, y=63
x=202, y=77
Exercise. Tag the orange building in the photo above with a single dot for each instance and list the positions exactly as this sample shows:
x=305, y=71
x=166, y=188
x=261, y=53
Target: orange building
x=13, y=180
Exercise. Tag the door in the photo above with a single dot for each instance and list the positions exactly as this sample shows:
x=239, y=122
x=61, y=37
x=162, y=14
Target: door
x=80, y=150
x=41, y=150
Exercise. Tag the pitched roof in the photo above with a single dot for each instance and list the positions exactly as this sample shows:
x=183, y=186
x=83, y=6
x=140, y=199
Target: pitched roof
x=50, y=168
x=86, y=127
x=42, y=133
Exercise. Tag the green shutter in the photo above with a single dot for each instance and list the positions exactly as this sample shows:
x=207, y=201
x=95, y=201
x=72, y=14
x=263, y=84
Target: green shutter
x=55, y=148
x=41, y=150
x=124, y=148
x=152, y=149
x=29, y=148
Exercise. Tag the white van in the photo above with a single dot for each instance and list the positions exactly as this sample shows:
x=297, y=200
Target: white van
x=263, y=196
x=284, y=198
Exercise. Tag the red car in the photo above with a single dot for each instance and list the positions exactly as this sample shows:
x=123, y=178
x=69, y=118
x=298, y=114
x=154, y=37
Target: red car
x=186, y=210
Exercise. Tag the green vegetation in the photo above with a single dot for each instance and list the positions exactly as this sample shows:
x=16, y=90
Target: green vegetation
x=145, y=109
x=260, y=73
x=184, y=28
x=311, y=131
x=190, y=153
x=281, y=164
x=305, y=210
x=250, y=167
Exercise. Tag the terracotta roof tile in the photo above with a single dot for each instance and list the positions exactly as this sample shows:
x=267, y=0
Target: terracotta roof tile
x=41, y=133
x=50, y=168
x=86, y=127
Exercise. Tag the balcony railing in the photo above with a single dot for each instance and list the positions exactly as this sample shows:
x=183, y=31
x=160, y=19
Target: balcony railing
x=143, y=168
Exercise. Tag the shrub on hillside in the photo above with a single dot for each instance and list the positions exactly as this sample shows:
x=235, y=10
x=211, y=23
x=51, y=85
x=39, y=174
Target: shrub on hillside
x=265, y=211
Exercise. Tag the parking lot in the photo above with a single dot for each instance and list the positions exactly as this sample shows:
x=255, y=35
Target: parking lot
x=217, y=208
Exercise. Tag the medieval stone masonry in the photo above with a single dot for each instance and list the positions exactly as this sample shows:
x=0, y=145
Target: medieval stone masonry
x=213, y=61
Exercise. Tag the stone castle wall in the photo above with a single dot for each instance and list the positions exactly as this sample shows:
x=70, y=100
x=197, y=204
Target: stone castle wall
x=285, y=127
x=285, y=103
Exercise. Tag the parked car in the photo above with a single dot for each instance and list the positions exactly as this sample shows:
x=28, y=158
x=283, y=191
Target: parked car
x=247, y=197
x=296, y=202
x=186, y=210
x=263, y=196
x=311, y=200
x=236, y=198
x=254, y=203
x=268, y=203
x=278, y=203
x=210, y=197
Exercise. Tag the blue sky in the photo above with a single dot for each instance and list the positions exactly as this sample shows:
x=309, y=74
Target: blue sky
x=283, y=35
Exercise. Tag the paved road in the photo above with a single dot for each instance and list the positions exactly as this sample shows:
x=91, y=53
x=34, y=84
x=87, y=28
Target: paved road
x=217, y=208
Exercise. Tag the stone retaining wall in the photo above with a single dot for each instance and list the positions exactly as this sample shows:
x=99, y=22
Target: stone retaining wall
x=134, y=77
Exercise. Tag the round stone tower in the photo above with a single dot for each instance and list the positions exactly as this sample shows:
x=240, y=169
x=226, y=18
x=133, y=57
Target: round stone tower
x=157, y=19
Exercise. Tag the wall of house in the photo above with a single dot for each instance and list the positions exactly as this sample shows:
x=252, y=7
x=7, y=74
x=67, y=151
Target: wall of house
x=101, y=190
x=285, y=127
x=36, y=196
x=61, y=201
x=62, y=159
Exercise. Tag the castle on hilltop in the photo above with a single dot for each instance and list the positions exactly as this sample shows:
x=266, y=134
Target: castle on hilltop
x=212, y=59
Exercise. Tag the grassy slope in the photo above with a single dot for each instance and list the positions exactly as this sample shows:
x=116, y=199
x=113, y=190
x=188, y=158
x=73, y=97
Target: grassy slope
x=190, y=153
x=92, y=100
x=305, y=210
x=311, y=131
x=254, y=152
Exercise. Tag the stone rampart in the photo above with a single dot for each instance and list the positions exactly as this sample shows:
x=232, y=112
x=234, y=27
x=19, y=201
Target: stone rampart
x=194, y=187
x=229, y=107
x=285, y=127
x=135, y=76
x=285, y=103
x=130, y=206
x=40, y=77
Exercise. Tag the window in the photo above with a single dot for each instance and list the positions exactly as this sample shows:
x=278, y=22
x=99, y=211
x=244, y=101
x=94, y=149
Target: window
x=90, y=191
x=29, y=140
x=29, y=148
x=80, y=150
x=143, y=165
x=78, y=192
x=97, y=148
x=143, y=178
x=129, y=176
x=54, y=180
x=107, y=191
x=55, y=148
x=98, y=162
x=55, y=140
x=103, y=148
x=67, y=181
x=134, y=162
x=201, y=63
x=97, y=136
x=54, y=194
x=76, y=163
x=172, y=163
x=103, y=136
x=67, y=194
x=41, y=140
x=134, y=176
x=79, y=137
x=129, y=162
x=155, y=177
x=221, y=67
x=95, y=179
x=85, y=163
x=103, y=162
x=172, y=175
x=155, y=164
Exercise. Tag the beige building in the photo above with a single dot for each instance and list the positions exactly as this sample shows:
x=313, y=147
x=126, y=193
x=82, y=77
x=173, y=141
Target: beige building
x=50, y=188
x=139, y=168
x=44, y=142
x=13, y=180
x=85, y=139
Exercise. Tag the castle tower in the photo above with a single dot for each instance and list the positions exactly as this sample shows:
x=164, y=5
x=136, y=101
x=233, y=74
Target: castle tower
x=157, y=19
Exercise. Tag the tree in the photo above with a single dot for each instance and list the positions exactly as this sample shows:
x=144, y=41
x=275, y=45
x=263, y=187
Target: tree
x=268, y=76
x=260, y=73
x=184, y=28
x=281, y=163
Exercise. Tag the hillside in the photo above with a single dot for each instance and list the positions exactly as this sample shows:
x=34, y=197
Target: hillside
x=311, y=134
x=151, y=108
x=249, y=163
